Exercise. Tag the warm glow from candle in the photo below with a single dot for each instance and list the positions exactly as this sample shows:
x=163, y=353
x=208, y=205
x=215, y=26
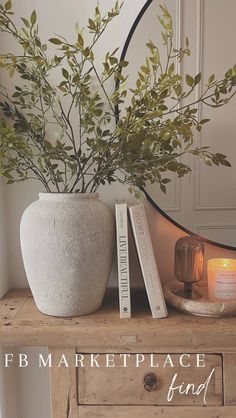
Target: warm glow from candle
x=222, y=279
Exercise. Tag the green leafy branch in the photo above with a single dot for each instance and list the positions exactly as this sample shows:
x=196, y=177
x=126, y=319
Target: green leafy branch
x=155, y=128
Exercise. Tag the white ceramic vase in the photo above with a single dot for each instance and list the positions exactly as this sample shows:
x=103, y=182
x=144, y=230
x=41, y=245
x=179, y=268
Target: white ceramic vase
x=67, y=245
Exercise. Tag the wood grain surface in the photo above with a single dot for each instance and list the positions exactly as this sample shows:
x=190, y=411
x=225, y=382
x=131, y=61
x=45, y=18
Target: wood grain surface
x=22, y=324
x=156, y=412
x=63, y=386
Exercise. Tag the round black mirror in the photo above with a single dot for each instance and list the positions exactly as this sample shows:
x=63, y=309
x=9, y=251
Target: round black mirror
x=203, y=203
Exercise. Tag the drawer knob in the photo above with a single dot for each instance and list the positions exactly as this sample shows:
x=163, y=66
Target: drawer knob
x=150, y=382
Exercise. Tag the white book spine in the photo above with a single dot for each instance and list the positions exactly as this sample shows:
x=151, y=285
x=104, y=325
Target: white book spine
x=123, y=259
x=147, y=261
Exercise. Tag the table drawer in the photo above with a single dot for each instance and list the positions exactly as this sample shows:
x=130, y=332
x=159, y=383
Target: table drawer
x=139, y=383
x=156, y=412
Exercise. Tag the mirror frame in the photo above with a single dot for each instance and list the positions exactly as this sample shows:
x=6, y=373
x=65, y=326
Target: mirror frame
x=151, y=201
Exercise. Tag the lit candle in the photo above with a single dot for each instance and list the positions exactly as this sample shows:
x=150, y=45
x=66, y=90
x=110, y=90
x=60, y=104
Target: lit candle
x=222, y=279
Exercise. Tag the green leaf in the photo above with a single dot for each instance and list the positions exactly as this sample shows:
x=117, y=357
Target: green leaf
x=197, y=79
x=47, y=144
x=80, y=40
x=86, y=52
x=141, y=77
x=113, y=60
x=211, y=79
x=208, y=162
x=171, y=68
x=33, y=18
x=178, y=90
x=164, y=94
x=8, y=5
x=203, y=121
x=225, y=163
x=92, y=25
x=145, y=70
x=123, y=63
x=154, y=95
x=38, y=42
x=106, y=132
x=98, y=112
x=163, y=188
x=215, y=160
x=55, y=41
x=162, y=107
x=65, y=73
x=151, y=46
x=217, y=94
x=26, y=22
x=189, y=80
x=229, y=73
x=165, y=181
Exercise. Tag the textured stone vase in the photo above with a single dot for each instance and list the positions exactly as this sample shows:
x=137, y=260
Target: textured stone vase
x=67, y=245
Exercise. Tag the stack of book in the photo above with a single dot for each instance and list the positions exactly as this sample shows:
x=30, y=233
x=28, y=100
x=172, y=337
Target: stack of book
x=135, y=214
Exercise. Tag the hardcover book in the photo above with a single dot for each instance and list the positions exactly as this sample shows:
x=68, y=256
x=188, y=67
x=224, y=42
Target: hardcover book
x=123, y=259
x=147, y=261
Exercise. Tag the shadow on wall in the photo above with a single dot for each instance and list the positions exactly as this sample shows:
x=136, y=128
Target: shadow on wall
x=164, y=236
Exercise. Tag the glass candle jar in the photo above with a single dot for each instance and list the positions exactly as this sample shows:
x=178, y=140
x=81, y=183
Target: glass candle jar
x=222, y=279
x=189, y=258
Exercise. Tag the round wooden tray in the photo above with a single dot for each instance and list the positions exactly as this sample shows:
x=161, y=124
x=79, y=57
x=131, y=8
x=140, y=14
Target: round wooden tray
x=201, y=306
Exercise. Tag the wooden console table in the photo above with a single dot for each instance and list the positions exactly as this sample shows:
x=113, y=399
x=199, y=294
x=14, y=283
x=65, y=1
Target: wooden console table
x=127, y=392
